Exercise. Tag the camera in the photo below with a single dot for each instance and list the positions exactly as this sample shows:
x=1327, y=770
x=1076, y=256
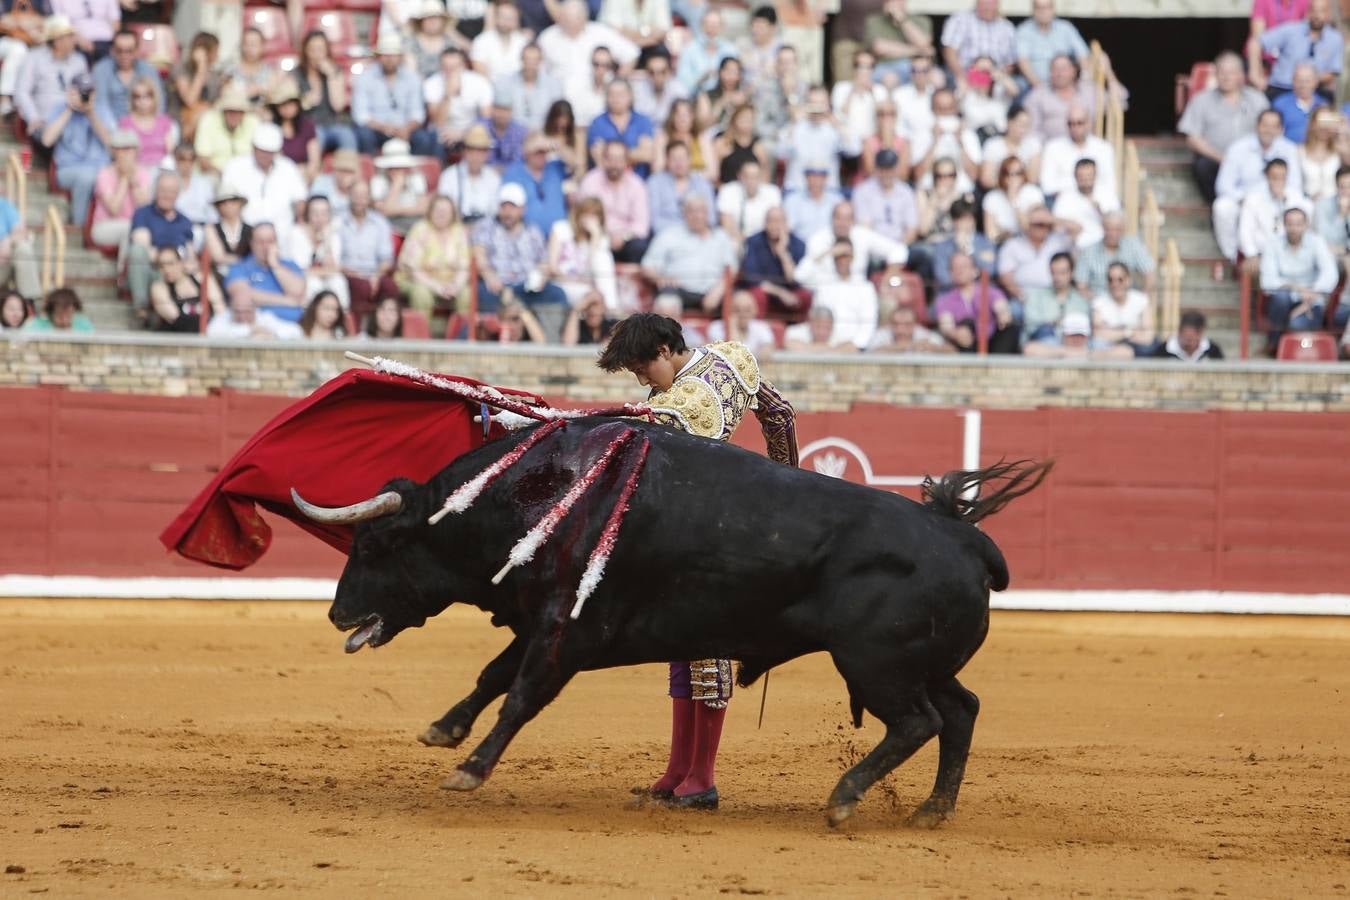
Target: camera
x=86, y=94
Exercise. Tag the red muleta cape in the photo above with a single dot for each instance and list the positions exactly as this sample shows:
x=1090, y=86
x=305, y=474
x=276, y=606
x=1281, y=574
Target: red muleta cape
x=338, y=446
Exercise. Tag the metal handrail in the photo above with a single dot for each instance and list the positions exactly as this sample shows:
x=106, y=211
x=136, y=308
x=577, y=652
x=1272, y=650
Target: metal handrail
x=53, y=263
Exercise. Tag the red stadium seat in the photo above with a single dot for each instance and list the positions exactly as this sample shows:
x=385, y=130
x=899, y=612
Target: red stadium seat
x=159, y=46
x=1307, y=346
x=1201, y=78
x=431, y=171
x=339, y=28
x=415, y=325
x=353, y=326
x=357, y=5
x=271, y=21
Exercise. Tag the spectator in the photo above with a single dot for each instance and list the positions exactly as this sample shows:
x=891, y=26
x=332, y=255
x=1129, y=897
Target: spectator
x=951, y=139
x=270, y=182
x=323, y=93
x=915, y=99
x=1333, y=224
x=1115, y=246
x=904, y=334
x=17, y=255
x=227, y=240
x=967, y=36
x=516, y=324
x=1041, y=38
x=177, y=297
x=587, y=95
x=885, y=203
x=855, y=101
x=1007, y=206
x=779, y=99
x=226, y=131
x=1189, y=344
x=738, y=145
x=428, y=37
x=1122, y=318
x=1318, y=159
x=47, y=73
x=587, y=323
x=681, y=127
x=244, y=320
x=252, y=71
x=742, y=204
x=569, y=43
x=541, y=179
x=323, y=319
x=769, y=268
x=817, y=335
x=14, y=311
x=367, y=244
x=1215, y=118
x=1298, y=272
x=299, y=136
x=624, y=197
x=504, y=133
x=1079, y=211
x=667, y=189
x=115, y=76
x=958, y=312
x=1063, y=153
x=579, y=255
x=277, y=283
x=1242, y=171
x=512, y=254
x=337, y=185
x=399, y=189
x=156, y=133
x=670, y=306
x=497, y=52
x=809, y=210
x=715, y=106
x=1047, y=309
x=62, y=311
x=620, y=123
x=1051, y=102
x=198, y=83
x=22, y=28
x=813, y=138
x=896, y=38
x=315, y=247
x=1315, y=38
x=691, y=260
x=387, y=101
x=120, y=188
x=1017, y=141
x=1261, y=220
x=654, y=95
x=700, y=60
x=471, y=184
x=758, y=50
x=1024, y=260
x=743, y=326
x=965, y=238
x=197, y=193
x=531, y=91
x=984, y=107
x=866, y=247
x=79, y=142
x=848, y=295
x=434, y=264
x=1266, y=14
x=886, y=137
x=566, y=142
x=936, y=201
x=385, y=321
x=1296, y=105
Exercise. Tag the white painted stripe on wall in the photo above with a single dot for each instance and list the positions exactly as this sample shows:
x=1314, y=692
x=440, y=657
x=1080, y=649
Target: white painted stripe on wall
x=81, y=586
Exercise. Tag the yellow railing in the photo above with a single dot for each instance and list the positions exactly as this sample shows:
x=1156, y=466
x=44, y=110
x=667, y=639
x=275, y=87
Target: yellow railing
x=1150, y=224
x=1169, y=316
x=1129, y=188
x=16, y=185
x=53, y=239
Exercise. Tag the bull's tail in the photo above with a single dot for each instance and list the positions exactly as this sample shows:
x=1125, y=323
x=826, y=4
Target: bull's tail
x=947, y=494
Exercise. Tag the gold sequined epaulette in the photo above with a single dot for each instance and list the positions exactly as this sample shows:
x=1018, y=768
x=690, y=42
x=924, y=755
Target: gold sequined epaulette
x=694, y=403
x=742, y=362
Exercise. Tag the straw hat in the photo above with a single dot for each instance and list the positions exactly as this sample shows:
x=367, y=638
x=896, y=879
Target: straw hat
x=233, y=98
x=55, y=27
x=283, y=91
x=429, y=9
x=389, y=45
x=226, y=192
x=396, y=154
x=478, y=138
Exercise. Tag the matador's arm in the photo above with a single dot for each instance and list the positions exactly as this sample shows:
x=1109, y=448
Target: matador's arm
x=778, y=421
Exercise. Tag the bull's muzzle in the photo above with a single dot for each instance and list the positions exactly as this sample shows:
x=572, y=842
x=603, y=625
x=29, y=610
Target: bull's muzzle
x=380, y=505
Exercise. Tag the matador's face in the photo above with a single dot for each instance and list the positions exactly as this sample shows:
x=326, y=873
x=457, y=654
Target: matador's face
x=657, y=374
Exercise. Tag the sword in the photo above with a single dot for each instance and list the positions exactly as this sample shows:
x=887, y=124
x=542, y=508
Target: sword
x=764, y=695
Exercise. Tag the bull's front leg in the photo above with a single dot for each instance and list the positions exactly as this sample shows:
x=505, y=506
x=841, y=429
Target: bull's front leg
x=544, y=670
x=451, y=729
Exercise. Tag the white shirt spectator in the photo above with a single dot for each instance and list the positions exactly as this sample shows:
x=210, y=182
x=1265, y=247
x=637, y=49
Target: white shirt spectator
x=806, y=214
x=1086, y=212
x=915, y=108
x=496, y=55
x=1002, y=210
x=854, y=304
x=806, y=141
x=949, y=145
x=300, y=250
x=1061, y=154
x=856, y=111
x=223, y=325
x=747, y=213
x=475, y=95
x=996, y=150
x=1130, y=314
x=758, y=335
x=817, y=266
x=474, y=195
x=271, y=196
x=568, y=58
x=588, y=100
x=1262, y=218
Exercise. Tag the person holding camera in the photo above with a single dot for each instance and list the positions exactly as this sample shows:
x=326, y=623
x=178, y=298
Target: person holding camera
x=79, y=142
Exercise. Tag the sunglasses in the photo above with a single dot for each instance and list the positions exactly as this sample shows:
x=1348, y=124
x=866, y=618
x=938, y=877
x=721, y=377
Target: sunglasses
x=1078, y=121
x=1118, y=278
x=944, y=174
x=1040, y=224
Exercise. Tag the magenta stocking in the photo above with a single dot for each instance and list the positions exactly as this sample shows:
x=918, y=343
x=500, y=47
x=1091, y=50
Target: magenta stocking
x=681, y=745
x=707, y=735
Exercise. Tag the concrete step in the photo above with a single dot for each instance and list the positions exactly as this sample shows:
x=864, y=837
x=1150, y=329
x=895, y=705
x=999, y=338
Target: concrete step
x=1186, y=217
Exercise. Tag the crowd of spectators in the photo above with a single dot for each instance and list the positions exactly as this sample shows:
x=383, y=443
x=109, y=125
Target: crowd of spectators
x=554, y=167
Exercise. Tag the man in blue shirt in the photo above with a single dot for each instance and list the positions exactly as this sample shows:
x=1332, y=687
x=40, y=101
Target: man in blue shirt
x=769, y=268
x=1044, y=36
x=1313, y=40
x=1296, y=106
x=506, y=134
x=79, y=142
x=387, y=103
x=542, y=180
x=699, y=61
x=620, y=123
x=666, y=190
x=157, y=225
x=114, y=74
x=278, y=284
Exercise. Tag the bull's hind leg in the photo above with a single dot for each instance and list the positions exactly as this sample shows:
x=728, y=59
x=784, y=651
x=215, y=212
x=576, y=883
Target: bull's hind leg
x=495, y=679
x=958, y=708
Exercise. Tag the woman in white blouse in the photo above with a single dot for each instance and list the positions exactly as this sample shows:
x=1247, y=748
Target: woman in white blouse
x=1018, y=141
x=1007, y=206
x=855, y=101
x=579, y=255
x=1317, y=157
x=314, y=246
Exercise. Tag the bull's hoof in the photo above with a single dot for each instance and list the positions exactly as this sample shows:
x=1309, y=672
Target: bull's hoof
x=929, y=815
x=460, y=780
x=840, y=812
x=435, y=737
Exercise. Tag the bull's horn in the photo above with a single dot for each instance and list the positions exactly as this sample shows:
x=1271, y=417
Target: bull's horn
x=380, y=505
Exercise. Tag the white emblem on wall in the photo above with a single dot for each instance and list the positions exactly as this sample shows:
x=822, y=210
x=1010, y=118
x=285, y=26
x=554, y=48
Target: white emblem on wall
x=830, y=456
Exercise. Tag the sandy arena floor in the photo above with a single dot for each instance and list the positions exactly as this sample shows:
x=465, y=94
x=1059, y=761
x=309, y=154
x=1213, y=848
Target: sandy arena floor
x=183, y=749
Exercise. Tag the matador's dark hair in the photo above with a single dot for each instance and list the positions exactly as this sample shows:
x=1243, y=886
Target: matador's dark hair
x=638, y=339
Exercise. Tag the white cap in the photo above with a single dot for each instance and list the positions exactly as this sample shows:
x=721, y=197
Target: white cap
x=511, y=193
x=267, y=137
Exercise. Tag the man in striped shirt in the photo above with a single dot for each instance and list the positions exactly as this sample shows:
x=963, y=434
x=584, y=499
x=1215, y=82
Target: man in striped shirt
x=967, y=36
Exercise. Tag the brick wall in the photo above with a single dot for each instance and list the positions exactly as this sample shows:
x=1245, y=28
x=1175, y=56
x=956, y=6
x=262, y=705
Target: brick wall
x=167, y=365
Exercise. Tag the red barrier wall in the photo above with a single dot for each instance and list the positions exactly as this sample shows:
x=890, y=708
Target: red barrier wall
x=1138, y=499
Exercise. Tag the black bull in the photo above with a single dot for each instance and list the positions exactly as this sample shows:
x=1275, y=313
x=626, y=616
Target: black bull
x=722, y=554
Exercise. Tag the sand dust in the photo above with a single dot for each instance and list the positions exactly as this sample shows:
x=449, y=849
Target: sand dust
x=164, y=749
